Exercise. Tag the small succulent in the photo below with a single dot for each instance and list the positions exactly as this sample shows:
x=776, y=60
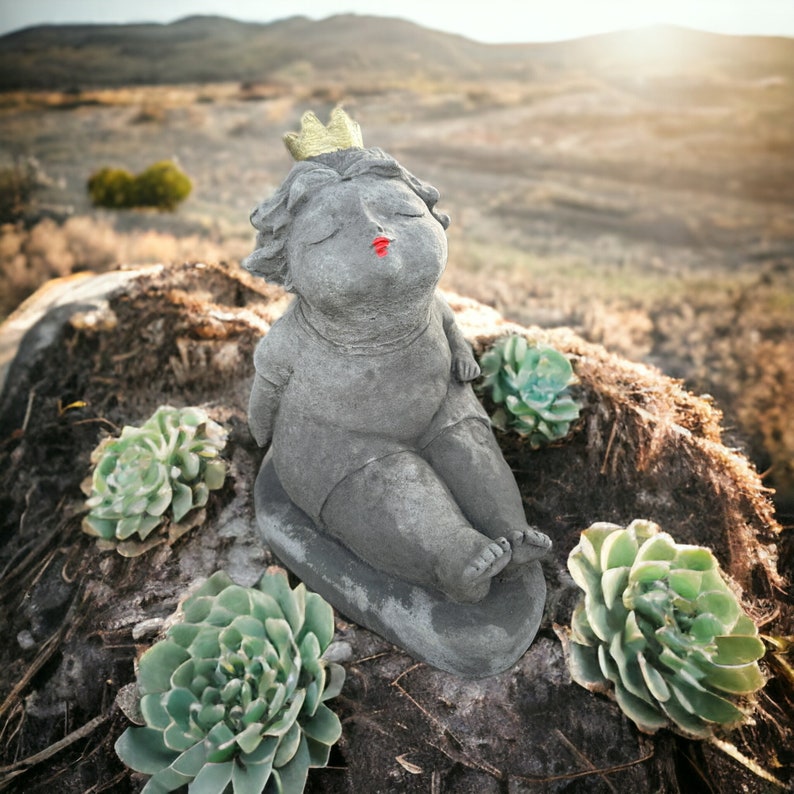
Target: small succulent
x=170, y=461
x=660, y=627
x=234, y=696
x=529, y=384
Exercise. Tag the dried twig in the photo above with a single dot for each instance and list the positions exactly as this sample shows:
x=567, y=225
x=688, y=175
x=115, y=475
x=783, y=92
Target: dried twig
x=68, y=627
x=605, y=770
x=581, y=756
x=463, y=758
x=371, y=658
x=28, y=411
x=369, y=723
x=47, y=650
x=110, y=785
x=405, y=673
x=455, y=753
x=18, y=768
x=603, y=469
x=22, y=533
x=98, y=420
x=17, y=711
x=746, y=762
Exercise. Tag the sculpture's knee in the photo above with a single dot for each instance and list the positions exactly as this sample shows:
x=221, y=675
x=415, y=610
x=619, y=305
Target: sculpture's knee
x=470, y=433
x=394, y=493
x=466, y=452
x=398, y=515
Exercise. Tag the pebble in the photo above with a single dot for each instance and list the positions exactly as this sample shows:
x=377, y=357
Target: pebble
x=26, y=640
x=147, y=628
x=339, y=651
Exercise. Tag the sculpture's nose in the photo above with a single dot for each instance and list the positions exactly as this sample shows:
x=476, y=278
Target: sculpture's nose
x=375, y=225
x=371, y=221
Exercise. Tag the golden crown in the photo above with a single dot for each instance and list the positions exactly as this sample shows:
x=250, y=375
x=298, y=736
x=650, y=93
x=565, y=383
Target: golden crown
x=315, y=138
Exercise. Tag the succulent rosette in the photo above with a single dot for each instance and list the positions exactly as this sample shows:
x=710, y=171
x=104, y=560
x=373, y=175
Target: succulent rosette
x=530, y=386
x=659, y=627
x=234, y=696
x=170, y=461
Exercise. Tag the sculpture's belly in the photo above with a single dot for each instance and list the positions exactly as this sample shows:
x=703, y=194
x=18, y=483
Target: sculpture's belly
x=394, y=394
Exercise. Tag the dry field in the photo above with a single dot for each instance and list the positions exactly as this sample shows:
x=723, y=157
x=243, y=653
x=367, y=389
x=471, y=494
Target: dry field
x=654, y=217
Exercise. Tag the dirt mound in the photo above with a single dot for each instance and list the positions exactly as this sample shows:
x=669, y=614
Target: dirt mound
x=74, y=618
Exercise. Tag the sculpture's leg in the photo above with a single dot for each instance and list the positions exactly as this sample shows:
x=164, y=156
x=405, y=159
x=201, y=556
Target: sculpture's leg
x=399, y=517
x=468, y=459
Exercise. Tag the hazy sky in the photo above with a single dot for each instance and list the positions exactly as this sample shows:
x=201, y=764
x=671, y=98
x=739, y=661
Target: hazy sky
x=488, y=20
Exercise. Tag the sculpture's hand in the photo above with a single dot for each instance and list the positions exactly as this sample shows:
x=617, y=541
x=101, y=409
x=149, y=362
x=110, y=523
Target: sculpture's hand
x=465, y=368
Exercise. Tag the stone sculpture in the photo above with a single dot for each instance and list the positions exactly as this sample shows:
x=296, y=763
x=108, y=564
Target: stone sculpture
x=384, y=488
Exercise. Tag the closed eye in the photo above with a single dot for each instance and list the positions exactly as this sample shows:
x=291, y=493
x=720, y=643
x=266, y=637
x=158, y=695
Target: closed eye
x=322, y=239
x=409, y=209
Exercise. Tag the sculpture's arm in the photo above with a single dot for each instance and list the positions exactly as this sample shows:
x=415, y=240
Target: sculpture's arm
x=464, y=365
x=262, y=409
x=273, y=362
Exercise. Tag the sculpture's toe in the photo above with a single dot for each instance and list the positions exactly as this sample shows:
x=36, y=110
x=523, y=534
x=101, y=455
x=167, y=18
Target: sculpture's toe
x=529, y=544
x=489, y=562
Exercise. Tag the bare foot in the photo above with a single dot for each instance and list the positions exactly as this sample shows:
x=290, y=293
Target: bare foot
x=473, y=583
x=527, y=545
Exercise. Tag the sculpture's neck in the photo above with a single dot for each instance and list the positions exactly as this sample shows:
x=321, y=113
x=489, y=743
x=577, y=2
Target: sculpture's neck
x=367, y=329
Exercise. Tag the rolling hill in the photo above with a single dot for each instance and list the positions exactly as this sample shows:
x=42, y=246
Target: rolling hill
x=215, y=49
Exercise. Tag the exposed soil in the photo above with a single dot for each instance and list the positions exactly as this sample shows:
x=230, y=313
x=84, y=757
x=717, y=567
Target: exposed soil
x=75, y=618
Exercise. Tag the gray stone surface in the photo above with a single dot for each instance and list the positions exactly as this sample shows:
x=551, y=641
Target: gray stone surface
x=36, y=323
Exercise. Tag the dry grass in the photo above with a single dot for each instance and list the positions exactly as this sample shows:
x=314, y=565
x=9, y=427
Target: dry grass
x=29, y=257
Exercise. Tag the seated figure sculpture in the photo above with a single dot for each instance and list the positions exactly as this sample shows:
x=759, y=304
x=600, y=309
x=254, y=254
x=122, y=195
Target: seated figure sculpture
x=384, y=488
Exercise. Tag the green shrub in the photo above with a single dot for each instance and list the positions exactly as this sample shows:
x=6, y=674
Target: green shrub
x=113, y=188
x=529, y=385
x=234, y=697
x=659, y=628
x=162, y=185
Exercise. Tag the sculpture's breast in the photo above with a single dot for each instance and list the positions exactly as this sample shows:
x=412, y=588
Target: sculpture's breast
x=393, y=393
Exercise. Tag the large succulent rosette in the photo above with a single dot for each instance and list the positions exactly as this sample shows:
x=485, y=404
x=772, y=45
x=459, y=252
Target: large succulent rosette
x=659, y=628
x=529, y=385
x=170, y=461
x=234, y=697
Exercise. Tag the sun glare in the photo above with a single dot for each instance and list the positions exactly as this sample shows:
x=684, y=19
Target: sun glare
x=520, y=21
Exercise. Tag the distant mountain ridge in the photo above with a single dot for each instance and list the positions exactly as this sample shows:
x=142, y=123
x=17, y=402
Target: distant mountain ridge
x=200, y=49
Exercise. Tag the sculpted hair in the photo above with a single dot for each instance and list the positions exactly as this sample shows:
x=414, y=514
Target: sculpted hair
x=273, y=217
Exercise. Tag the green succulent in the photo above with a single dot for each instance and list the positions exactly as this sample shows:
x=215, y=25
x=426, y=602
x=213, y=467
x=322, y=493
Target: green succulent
x=234, y=696
x=659, y=626
x=529, y=384
x=170, y=461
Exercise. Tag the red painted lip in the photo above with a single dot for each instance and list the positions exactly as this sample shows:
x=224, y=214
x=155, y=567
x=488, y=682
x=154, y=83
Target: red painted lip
x=381, y=245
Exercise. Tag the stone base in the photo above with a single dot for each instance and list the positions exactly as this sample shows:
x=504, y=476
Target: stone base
x=469, y=640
